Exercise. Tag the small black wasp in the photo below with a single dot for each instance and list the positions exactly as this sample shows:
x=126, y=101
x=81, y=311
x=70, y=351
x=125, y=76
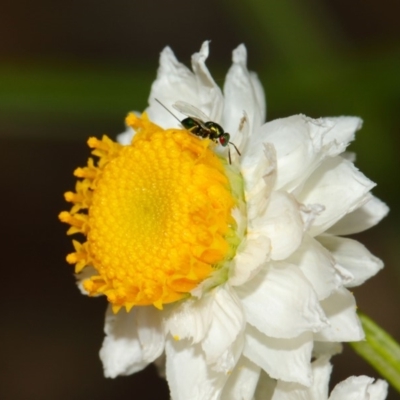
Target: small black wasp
x=195, y=124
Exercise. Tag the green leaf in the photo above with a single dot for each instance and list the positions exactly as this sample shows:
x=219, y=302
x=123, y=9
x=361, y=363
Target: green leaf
x=380, y=350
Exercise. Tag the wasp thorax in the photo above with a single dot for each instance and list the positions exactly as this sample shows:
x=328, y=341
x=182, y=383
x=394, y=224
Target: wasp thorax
x=215, y=130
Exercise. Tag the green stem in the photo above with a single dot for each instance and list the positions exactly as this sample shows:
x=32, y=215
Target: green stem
x=380, y=350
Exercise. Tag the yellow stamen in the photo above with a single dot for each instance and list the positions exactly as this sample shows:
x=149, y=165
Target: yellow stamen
x=158, y=218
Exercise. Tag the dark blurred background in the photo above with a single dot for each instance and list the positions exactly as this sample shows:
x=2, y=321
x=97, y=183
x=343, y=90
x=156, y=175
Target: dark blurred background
x=69, y=70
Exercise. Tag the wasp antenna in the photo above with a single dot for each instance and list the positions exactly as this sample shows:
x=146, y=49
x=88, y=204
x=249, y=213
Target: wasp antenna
x=229, y=156
x=161, y=104
x=237, y=150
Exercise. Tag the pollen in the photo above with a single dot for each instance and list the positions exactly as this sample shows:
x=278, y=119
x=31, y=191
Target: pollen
x=156, y=216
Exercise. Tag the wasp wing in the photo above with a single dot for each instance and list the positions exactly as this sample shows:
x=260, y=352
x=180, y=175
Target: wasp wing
x=190, y=111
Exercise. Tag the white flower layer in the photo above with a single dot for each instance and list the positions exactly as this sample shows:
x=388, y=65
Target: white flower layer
x=287, y=284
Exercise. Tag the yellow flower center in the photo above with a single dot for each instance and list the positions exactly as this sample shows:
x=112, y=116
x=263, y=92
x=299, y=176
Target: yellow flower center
x=158, y=218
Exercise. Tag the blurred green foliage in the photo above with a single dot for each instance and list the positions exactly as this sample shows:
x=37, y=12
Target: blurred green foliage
x=40, y=92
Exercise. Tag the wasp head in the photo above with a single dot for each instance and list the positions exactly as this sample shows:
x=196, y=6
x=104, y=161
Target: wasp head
x=224, y=139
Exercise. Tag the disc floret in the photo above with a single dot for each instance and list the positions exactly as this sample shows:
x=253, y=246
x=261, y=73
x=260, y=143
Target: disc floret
x=156, y=216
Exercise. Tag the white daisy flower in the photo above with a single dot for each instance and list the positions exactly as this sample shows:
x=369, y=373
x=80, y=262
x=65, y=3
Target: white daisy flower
x=225, y=268
x=355, y=387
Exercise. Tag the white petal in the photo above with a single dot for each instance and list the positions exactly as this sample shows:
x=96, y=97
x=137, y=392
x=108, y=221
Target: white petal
x=297, y=147
x=353, y=257
x=251, y=256
x=209, y=96
x=222, y=345
x=342, y=132
x=175, y=82
x=317, y=265
x=259, y=177
x=121, y=352
x=340, y=308
x=365, y=217
x=132, y=341
x=188, y=375
x=301, y=144
x=240, y=95
x=378, y=390
x=281, y=303
x=321, y=374
x=359, y=388
x=346, y=277
x=150, y=332
x=254, y=147
x=339, y=187
x=290, y=391
x=326, y=349
x=190, y=319
x=282, y=223
x=125, y=138
x=242, y=382
x=260, y=95
x=318, y=391
x=284, y=359
x=265, y=388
